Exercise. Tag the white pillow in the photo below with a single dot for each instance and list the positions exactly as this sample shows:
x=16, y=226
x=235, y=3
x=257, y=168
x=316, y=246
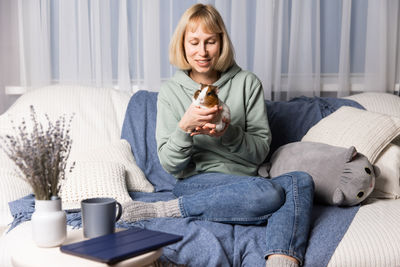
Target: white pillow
x=387, y=184
x=369, y=132
x=396, y=141
x=94, y=179
x=384, y=103
x=120, y=152
x=99, y=112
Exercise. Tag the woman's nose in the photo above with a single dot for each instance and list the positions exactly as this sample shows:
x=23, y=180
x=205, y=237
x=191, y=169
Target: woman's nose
x=203, y=49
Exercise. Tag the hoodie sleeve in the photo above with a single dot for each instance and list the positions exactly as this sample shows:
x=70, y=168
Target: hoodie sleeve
x=174, y=146
x=251, y=142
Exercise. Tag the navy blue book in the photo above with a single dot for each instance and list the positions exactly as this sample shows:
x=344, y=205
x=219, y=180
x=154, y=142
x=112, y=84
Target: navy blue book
x=121, y=245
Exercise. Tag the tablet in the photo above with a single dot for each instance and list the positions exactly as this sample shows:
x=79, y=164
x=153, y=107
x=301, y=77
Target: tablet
x=121, y=245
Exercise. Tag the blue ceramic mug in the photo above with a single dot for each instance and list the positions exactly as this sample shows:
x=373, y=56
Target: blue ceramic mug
x=99, y=216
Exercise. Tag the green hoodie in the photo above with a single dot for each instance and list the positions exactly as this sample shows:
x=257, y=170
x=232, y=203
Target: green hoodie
x=241, y=149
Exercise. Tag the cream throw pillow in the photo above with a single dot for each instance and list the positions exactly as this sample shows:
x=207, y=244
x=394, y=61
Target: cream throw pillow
x=369, y=132
x=99, y=112
x=120, y=152
x=94, y=179
x=387, y=184
x=384, y=103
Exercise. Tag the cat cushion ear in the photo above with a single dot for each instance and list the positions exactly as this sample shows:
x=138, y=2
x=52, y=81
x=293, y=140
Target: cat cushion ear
x=377, y=171
x=351, y=154
x=338, y=197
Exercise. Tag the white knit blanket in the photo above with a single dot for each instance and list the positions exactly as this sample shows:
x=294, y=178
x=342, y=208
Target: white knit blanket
x=373, y=238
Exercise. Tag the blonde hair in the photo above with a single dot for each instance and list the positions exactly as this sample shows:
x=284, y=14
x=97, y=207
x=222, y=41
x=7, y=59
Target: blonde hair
x=212, y=22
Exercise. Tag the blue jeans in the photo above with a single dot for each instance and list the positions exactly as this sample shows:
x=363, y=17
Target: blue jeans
x=285, y=202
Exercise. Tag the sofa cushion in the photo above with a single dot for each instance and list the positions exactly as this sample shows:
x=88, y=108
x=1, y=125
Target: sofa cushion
x=94, y=179
x=384, y=103
x=387, y=184
x=369, y=132
x=99, y=112
x=120, y=152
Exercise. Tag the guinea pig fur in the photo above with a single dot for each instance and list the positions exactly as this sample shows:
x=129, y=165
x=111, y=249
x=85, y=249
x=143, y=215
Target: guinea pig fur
x=207, y=97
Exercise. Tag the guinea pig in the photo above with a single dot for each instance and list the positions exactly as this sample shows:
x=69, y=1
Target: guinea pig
x=207, y=97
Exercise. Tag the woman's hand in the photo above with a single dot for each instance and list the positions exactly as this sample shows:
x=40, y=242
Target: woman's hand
x=211, y=131
x=209, y=128
x=196, y=117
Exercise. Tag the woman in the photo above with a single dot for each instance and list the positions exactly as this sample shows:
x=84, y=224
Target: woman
x=217, y=171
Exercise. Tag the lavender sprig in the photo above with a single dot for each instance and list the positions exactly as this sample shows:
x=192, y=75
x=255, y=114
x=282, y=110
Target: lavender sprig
x=41, y=155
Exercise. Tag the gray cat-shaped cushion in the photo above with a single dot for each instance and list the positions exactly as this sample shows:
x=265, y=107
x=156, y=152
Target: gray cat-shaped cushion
x=341, y=176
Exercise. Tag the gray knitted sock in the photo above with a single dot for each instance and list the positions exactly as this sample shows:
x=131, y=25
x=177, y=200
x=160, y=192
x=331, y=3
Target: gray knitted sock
x=137, y=210
x=280, y=262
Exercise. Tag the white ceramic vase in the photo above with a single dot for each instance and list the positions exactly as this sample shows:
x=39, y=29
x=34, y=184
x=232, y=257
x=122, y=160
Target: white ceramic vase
x=49, y=224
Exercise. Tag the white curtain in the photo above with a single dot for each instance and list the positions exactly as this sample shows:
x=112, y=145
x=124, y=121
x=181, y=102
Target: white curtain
x=84, y=42
x=9, y=54
x=382, y=47
x=344, y=61
x=124, y=43
x=34, y=42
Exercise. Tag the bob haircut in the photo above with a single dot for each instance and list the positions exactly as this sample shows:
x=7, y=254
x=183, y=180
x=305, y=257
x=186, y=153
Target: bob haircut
x=211, y=21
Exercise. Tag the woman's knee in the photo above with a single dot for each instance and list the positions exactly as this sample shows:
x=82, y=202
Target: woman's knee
x=266, y=197
x=305, y=180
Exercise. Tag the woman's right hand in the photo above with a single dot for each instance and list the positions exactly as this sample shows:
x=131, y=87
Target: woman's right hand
x=195, y=117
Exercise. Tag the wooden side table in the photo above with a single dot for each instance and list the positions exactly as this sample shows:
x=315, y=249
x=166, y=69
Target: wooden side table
x=25, y=253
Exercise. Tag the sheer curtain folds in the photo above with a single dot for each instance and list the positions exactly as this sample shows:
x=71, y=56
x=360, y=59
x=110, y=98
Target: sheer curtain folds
x=382, y=44
x=295, y=47
x=34, y=41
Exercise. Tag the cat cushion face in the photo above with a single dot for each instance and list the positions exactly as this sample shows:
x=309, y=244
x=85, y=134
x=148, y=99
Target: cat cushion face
x=341, y=176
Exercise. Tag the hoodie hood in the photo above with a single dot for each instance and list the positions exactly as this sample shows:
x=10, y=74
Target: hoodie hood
x=182, y=78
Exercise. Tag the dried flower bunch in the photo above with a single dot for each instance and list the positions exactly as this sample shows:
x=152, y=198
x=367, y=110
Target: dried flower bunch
x=41, y=156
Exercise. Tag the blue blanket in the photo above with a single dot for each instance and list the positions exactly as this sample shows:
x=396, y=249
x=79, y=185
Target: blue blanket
x=216, y=244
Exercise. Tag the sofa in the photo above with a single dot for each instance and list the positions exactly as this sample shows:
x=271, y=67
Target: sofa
x=369, y=237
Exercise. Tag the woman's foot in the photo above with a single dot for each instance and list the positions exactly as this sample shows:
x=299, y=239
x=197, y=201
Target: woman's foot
x=137, y=210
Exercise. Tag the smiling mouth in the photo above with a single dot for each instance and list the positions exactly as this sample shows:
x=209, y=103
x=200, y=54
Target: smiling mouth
x=203, y=63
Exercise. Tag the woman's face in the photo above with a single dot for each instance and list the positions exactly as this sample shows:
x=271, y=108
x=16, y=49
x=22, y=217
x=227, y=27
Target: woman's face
x=202, y=50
